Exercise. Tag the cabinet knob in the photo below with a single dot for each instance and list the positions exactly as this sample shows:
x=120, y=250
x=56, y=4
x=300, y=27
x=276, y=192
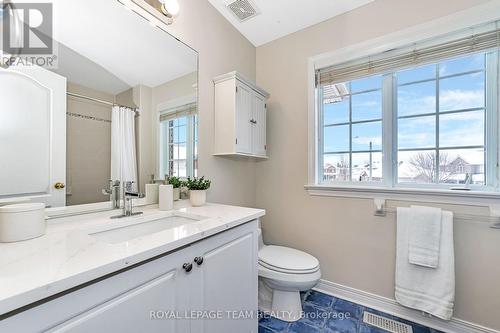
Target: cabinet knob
x=187, y=267
x=198, y=260
x=59, y=186
x=253, y=121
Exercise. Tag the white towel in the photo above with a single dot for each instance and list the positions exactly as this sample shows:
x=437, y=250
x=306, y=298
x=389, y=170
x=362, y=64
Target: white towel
x=425, y=236
x=431, y=290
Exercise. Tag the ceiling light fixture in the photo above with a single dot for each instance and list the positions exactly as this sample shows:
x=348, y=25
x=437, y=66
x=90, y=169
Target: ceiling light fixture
x=170, y=8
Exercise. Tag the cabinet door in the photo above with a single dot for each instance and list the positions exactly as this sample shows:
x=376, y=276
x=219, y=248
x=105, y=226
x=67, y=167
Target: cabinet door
x=153, y=306
x=243, y=116
x=150, y=307
x=228, y=285
x=259, y=125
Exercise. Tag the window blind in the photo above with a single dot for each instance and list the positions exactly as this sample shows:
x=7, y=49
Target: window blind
x=470, y=41
x=185, y=110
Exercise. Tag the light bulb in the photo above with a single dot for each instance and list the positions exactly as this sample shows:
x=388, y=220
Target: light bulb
x=171, y=6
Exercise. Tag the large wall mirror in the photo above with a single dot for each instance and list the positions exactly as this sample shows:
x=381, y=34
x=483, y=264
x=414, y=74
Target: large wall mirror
x=112, y=107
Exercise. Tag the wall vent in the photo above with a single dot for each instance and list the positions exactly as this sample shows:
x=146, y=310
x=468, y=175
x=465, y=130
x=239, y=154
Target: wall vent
x=386, y=324
x=243, y=9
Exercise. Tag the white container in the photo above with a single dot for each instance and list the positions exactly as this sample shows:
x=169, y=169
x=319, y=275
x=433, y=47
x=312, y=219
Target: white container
x=22, y=221
x=152, y=194
x=166, y=197
x=177, y=193
x=197, y=197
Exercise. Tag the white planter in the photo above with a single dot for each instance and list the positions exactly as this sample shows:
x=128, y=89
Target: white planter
x=177, y=193
x=198, y=198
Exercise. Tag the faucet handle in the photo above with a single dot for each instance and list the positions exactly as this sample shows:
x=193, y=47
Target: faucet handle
x=107, y=191
x=128, y=185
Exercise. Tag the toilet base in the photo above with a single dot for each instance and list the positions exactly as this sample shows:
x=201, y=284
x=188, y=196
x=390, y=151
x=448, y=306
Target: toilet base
x=283, y=305
x=286, y=305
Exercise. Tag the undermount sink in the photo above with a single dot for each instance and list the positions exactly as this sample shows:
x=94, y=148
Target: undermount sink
x=126, y=231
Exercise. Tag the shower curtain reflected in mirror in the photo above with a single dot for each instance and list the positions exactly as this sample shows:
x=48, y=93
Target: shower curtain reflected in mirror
x=123, y=147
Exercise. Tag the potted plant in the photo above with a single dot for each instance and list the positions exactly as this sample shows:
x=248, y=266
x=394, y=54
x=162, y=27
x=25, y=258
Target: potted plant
x=198, y=190
x=176, y=183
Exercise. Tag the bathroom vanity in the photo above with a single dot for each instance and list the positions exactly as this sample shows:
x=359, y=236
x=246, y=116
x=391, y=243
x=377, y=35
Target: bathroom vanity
x=186, y=270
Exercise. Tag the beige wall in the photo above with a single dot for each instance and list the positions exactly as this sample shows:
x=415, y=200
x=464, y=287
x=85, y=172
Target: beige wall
x=180, y=87
x=221, y=49
x=142, y=96
x=355, y=248
x=88, y=160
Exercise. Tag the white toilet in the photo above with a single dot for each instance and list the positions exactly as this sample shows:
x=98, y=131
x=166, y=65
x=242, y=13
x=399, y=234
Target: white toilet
x=283, y=273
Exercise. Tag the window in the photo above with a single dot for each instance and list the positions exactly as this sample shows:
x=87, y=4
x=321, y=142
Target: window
x=441, y=118
x=352, y=131
x=425, y=125
x=178, y=142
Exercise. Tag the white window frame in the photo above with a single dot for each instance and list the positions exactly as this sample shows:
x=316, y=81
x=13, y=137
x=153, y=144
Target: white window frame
x=475, y=16
x=320, y=129
x=171, y=107
x=490, y=135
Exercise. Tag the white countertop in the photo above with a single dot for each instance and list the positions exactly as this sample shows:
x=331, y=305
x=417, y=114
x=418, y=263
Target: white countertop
x=66, y=256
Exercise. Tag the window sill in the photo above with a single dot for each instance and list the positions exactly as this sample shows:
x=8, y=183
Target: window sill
x=482, y=198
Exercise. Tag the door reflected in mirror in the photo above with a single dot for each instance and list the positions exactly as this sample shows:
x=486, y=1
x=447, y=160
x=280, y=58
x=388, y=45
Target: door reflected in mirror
x=112, y=109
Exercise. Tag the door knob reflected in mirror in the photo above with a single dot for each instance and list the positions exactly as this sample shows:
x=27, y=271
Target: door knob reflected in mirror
x=59, y=186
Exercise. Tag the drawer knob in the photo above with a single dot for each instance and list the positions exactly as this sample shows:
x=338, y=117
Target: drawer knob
x=187, y=267
x=198, y=260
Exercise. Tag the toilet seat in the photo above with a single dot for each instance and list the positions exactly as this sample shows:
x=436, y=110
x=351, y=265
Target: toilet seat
x=287, y=271
x=287, y=260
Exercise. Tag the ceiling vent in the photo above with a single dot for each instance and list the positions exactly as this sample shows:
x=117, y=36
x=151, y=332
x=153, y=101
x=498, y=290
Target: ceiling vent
x=242, y=9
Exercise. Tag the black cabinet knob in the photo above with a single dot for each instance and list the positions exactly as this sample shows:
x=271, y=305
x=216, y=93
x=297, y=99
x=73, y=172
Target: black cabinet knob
x=198, y=260
x=187, y=267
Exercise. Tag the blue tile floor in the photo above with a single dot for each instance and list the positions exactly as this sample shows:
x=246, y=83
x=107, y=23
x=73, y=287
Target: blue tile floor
x=326, y=314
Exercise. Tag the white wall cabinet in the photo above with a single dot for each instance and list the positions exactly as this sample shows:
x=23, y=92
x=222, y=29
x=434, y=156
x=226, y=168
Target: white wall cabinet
x=222, y=281
x=240, y=117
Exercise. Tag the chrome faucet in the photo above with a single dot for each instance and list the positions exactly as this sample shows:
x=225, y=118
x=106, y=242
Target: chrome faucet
x=114, y=193
x=128, y=195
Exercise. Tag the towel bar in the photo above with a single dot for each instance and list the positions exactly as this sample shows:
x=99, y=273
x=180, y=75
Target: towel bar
x=474, y=218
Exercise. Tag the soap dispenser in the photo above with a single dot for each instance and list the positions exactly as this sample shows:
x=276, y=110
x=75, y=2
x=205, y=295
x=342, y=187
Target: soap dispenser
x=166, y=196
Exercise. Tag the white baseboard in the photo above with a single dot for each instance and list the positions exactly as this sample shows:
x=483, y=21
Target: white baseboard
x=391, y=307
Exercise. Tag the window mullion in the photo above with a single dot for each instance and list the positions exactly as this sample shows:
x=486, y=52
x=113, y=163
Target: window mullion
x=171, y=148
x=388, y=130
x=438, y=158
x=189, y=146
x=492, y=125
x=320, y=148
x=350, y=135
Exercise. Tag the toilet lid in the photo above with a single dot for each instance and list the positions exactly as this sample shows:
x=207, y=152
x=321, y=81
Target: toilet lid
x=285, y=258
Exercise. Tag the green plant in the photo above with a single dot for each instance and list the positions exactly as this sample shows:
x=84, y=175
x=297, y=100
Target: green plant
x=198, y=184
x=175, y=182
